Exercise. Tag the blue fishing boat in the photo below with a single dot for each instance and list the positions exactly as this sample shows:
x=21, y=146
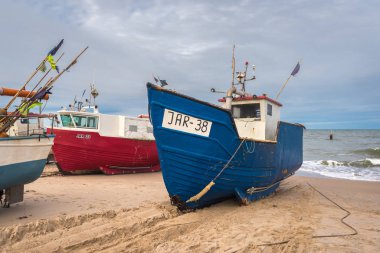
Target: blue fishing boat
x=209, y=153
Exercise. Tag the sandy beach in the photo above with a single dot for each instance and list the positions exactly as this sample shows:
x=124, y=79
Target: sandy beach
x=132, y=213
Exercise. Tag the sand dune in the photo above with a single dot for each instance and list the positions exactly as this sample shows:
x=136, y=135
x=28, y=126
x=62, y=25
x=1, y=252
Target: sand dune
x=287, y=221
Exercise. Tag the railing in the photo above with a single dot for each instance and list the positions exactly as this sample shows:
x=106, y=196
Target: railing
x=25, y=127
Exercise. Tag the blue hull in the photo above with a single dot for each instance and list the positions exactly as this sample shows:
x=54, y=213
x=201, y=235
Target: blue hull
x=20, y=173
x=189, y=161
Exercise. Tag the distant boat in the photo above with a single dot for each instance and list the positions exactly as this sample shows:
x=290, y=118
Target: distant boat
x=24, y=148
x=23, y=159
x=89, y=141
x=24, y=144
x=209, y=153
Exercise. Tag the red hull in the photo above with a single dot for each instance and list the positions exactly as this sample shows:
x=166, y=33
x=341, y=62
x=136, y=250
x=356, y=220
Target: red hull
x=77, y=151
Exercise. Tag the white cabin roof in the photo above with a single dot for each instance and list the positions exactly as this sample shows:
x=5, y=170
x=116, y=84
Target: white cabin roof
x=256, y=117
x=106, y=124
x=253, y=98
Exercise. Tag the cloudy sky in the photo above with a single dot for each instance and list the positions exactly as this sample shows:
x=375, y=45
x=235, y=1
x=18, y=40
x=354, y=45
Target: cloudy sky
x=189, y=44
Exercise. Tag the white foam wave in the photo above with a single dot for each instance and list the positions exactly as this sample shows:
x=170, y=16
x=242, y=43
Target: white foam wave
x=374, y=161
x=343, y=170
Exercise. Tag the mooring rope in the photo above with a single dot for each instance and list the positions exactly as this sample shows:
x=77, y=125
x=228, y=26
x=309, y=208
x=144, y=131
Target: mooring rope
x=228, y=163
x=250, y=149
x=348, y=213
x=212, y=183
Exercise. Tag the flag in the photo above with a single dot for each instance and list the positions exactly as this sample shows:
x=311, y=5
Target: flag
x=71, y=64
x=35, y=103
x=40, y=94
x=296, y=69
x=42, y=67
x=50, y=59
x=50, y=55
x=55, y=49
x=155, y=79
x=163, y=83
x=24, y=109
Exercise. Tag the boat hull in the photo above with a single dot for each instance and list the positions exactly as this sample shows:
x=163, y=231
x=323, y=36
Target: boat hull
x=82, y=152
x=23, y=159
x=189, y=161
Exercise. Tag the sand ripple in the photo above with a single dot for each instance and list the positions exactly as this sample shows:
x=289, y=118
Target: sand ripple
x=284, y=222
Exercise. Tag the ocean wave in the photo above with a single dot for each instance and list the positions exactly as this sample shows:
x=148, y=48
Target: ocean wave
x=371, y=152
x=366, y=169
x=365, y=163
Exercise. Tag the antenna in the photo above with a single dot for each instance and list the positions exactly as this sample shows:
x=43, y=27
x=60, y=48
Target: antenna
x=216, y=91
x=75, y=102
x=233, y=66
x=242, y=77
x=94, y=92
x=80, y=103
x=245, y=77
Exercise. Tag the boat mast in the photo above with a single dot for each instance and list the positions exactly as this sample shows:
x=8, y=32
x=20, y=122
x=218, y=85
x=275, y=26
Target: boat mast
x=233, y=66
x=232, y=89
x=241, y=77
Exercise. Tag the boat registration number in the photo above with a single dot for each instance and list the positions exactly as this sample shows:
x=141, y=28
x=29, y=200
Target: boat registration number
x=185, y=123
x=83, y=136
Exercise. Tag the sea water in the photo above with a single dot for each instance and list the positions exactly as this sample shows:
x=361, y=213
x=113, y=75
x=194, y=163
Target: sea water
x=351, y=154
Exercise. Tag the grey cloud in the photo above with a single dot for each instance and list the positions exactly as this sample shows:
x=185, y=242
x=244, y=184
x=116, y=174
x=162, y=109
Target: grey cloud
x=189, y=44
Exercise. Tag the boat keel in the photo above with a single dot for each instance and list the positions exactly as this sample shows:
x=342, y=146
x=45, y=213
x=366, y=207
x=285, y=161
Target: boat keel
x=115, y=170
x=249, y=195
x=11, y=195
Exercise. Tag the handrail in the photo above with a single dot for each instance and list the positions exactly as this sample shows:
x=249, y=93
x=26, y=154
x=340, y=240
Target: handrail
x=32, y=131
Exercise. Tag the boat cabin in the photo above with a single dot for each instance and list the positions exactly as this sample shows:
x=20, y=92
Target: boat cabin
x=26, y=126
x=90, y=120
x=256, y=117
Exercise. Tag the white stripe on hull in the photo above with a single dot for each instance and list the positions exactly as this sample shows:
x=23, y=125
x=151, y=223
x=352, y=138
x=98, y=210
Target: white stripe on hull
x=24, y=150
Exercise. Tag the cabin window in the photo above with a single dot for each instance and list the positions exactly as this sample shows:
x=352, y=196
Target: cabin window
x=92, y=122
x=33, y=121
x=269, y=109
x=133, y=128
x=29, y=121
x=80, y=121
x=246, y=111
x=24, y=121
x=149, y=130
x=66, y=121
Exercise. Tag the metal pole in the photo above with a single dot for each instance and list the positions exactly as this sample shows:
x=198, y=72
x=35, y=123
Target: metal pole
x=283, y=86
x=233, y=66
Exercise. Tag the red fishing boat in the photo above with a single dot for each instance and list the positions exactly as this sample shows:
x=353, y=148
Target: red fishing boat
x=88, y=141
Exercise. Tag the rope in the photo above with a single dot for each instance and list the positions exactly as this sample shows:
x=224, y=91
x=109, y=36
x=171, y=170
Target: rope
x=250, y=149
x=348, y=213
x=232, y=157
x=212, y=183
x=44, y=106
x=264, y=188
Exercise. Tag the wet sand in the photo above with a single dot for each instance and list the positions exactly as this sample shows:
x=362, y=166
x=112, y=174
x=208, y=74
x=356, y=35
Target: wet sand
x=132, y=213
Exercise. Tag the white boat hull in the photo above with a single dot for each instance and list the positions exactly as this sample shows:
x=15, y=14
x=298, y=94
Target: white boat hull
x=23, y=159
